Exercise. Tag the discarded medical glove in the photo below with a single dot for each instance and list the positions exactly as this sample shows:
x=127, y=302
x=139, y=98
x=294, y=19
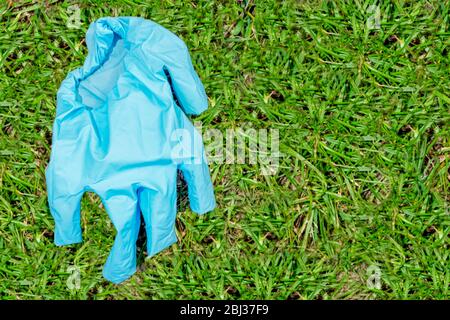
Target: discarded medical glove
x=120, y=133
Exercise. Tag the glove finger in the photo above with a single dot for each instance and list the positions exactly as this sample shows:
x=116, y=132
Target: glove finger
x=65, y=209
x=194, y=167
x=159, y=212
x=200, y=187
x=124, y=214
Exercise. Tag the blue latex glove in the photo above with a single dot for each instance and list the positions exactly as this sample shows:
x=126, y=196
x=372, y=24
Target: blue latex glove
x=119, y=133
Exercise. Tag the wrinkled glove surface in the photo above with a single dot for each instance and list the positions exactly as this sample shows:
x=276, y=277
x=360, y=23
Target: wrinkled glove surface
x=120, y=133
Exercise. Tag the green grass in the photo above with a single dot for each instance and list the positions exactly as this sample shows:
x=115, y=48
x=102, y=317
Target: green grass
x=363, y=117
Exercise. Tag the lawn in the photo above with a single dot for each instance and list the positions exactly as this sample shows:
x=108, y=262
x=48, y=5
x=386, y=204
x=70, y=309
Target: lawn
x=359, y=206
